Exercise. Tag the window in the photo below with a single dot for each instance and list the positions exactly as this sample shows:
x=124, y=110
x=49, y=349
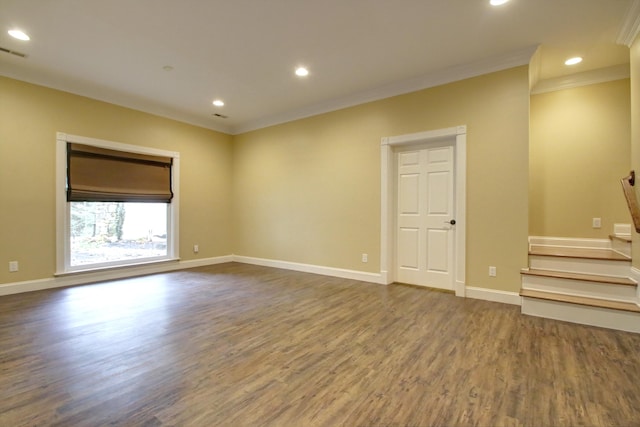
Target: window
x=117, y=204
x=104, y=232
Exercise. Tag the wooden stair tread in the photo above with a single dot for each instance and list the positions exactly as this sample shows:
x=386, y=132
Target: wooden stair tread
x=626, y=239
x=573, y=299
x=580, y=276
x=557, y=251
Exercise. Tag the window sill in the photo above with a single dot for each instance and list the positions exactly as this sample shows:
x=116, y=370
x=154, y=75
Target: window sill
x=131, y=266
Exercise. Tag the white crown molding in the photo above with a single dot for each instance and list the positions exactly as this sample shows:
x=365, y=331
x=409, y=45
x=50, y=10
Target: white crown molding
x=631, y=26
x=436, y=78
x=535, y=69
x=601, y=75
x=100, y=93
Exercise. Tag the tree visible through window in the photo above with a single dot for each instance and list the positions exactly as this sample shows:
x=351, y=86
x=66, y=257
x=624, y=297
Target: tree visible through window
x=104, y=232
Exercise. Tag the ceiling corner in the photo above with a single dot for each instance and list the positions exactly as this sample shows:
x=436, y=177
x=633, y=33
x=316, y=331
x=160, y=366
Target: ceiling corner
x=631, y=25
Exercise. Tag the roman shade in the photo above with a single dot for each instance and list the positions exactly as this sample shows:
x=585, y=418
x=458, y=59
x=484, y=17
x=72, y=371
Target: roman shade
x=97, y=174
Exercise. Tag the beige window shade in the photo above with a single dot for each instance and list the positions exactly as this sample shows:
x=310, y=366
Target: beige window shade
x=100, y=175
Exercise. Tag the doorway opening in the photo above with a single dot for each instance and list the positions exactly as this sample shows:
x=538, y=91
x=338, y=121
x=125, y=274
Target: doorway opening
x=391, y=223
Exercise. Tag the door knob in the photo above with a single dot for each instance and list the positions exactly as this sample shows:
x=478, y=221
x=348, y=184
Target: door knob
x=452, y=222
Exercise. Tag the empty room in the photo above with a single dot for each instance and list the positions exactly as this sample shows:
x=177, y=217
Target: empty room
x=295, y=213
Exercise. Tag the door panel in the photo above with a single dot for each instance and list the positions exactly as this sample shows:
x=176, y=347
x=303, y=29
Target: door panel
x=438, y=193
x=408, y=194
x=408, y=253
x=437, y=260
x=409, y=158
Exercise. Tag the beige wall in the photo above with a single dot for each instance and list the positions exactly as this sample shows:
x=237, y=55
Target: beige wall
x=31, y=115
x=579, y=151
x=309, y=191
x=306, y=191
x=635, y=135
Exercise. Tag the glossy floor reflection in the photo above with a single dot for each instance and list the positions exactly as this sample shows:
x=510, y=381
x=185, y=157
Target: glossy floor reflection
x=241, y=345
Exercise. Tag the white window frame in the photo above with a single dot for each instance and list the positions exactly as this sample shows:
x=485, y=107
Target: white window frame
x=63, y=208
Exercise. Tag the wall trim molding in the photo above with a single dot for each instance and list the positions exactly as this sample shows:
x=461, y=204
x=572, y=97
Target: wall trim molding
x=110, y=274
x=63, y=208
x=494, y=295
x=601, y=75
x=486, y=294
x=457, y=136
x=315, y=269
x=436, y=78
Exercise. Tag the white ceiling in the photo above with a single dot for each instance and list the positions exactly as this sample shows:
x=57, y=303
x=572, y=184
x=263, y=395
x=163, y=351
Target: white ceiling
x=245, y=51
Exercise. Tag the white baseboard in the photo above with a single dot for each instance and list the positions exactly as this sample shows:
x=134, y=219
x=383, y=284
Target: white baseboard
x=111, y=274
x=317, y=269
x=494, y=295
x=204, y=262
x=570, y=242
x=378, y=278
x=385, y=277
x=460, y=289
x=29, y=286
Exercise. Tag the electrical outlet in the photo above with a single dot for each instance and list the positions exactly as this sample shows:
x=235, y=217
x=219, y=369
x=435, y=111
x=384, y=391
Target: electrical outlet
x=597, y=222
x=196, y=249
x=13, y=266
x=492, y=271
x=365, y=258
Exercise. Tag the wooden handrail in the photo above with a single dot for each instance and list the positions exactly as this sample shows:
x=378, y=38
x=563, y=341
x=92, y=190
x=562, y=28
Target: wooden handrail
x=629, y=194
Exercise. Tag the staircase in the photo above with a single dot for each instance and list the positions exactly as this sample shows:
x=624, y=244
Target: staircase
x=588, y=284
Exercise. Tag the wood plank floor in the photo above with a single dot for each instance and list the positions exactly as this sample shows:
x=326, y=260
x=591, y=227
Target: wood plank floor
x=240, y=345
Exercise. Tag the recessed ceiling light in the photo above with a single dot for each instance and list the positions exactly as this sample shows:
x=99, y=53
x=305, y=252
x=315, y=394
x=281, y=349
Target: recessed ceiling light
x=573, y=61
x=20, y=35
x=497, y=2
x=218, y=103
x=302, y=72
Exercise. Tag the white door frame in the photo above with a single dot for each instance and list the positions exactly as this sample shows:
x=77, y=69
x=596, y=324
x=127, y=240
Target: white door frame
x=388, y=167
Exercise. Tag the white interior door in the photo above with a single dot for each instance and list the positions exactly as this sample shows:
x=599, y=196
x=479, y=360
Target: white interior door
x=425, y=223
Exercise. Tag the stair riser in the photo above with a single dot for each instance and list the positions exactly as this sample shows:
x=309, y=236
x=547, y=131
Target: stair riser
x=580, y=287
x=576, y=265
x=585, y=315
x=569, y=242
